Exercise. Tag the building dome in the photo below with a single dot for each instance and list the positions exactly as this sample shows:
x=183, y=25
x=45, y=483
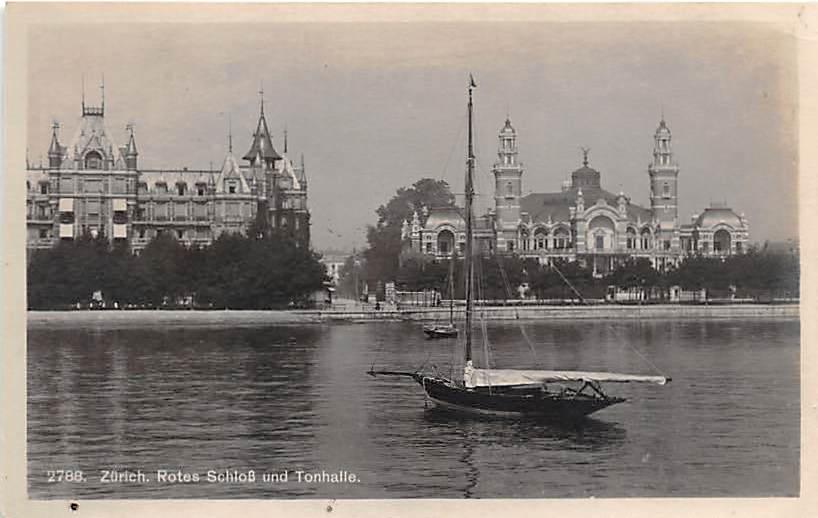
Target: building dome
x=663, y=131
x=585, y=177
x=713, y=216
x=508, y=129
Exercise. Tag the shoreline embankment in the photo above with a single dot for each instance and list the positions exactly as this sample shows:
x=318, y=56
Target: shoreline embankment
x=325, y=316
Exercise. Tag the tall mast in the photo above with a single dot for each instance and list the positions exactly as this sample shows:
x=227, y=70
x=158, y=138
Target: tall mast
x=469, y=198
x=451, y=284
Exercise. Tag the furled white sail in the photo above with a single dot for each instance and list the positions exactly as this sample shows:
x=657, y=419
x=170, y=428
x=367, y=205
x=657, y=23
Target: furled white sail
x=506, y=377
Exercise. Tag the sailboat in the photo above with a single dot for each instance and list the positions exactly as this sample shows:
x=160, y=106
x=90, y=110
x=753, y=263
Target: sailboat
x=445, y=330
x=513, y=392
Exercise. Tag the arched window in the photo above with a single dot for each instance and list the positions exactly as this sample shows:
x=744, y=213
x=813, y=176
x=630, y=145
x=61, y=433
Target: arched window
x=509, y=189
x=445, y=242
x=666, y=190
x=630, y=239
x=721, y=241
x=561, y=238
x=541, y=239
x=524, y=242
x=93, y=160
x=645, y=241
x=181, y=188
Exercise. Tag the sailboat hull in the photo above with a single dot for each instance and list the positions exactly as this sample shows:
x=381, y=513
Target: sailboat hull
x=513, y=403
x=440, y=331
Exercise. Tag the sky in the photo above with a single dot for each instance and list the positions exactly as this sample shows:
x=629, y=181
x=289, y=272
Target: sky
x=377, y=106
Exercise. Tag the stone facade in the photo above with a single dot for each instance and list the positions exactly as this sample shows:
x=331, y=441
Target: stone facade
x=93, y=186
x=585, y=222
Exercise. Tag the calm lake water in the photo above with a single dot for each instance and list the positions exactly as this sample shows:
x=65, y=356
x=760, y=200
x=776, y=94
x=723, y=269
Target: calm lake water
x=290, y=398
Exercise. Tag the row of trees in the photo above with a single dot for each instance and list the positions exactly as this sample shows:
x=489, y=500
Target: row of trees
x=262, y=272
x=759, y=272
x=755, y=274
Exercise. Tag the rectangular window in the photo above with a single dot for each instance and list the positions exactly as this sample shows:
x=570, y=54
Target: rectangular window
x=44, y=188
x=600, y=242
x=428, y=248
x=119, y=186
x=160, y=211
x=66, y=185
x=443, y=248
x=667, y=244
x=43, y=233
x=200, y=211
x=200, y=190
x=92, y=186
x=92, y=207
x=180, y=211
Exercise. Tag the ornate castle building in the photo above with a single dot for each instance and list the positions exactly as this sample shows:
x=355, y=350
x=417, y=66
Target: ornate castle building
x=583, y=221
x=93, y=186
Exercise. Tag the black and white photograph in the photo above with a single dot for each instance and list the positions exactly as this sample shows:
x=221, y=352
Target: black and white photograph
x=416, y=253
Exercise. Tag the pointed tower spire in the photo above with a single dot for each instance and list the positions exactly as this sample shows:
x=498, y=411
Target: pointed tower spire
x=261, y=150
x=285, y=138
x=230, y=133
x=102, y=92
x=55, y=150
x=302, y=177
x=83, y=94
x=261, y=96
x=131, y=153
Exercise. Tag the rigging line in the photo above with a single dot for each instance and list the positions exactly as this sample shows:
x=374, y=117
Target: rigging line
x=422, y=365
x=581, y=298
x=454, y=146
x=507, y=285
x=637, y=351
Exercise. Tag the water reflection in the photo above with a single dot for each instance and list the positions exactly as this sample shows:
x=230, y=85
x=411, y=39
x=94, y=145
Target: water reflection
x=287, y=397
x=587, y=432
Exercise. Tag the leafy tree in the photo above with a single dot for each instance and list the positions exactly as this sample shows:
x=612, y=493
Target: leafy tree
x=265, y=271
x=384, y=237
x=635, y=273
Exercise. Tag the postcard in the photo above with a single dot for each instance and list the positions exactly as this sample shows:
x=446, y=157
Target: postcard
x=408, y=260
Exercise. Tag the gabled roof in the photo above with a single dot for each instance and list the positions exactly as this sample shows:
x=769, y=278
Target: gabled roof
x=285, y=167
x=262, y=142
x=230, y=170
x=131, y=147
x=91, y=135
